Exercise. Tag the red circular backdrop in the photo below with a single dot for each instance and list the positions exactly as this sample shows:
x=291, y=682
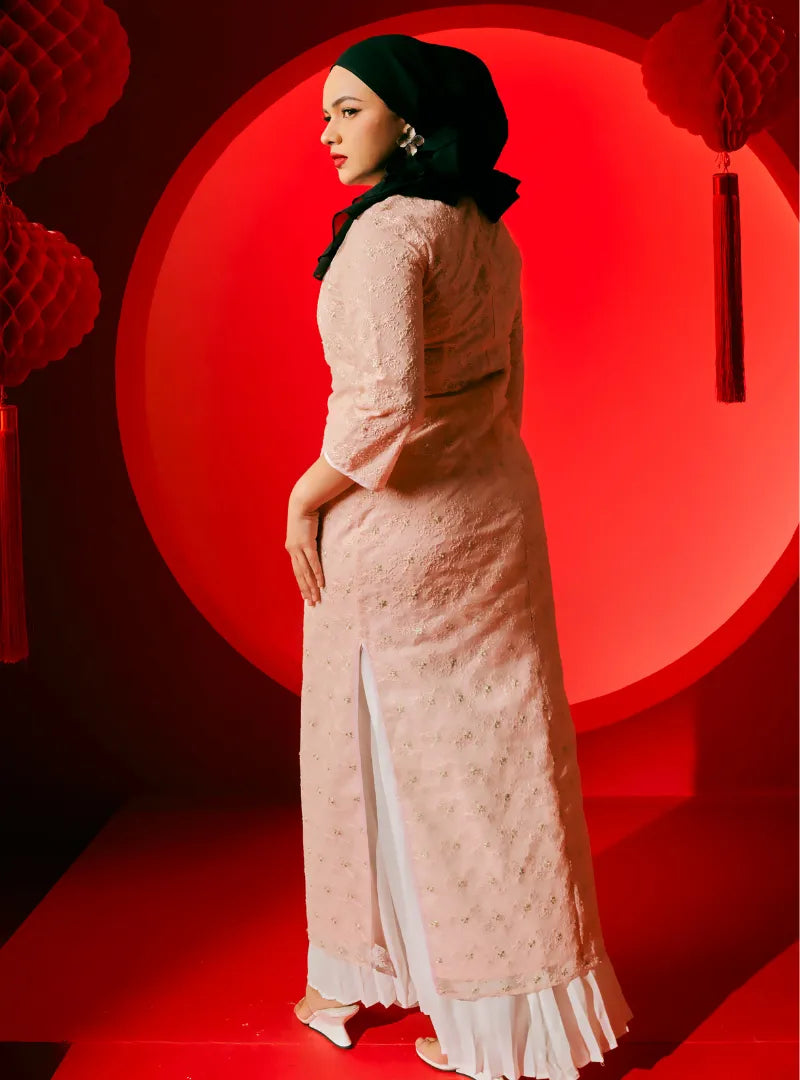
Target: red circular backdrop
x=671, y=518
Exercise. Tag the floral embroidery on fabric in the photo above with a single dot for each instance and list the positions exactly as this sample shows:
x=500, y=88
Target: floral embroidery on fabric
x=436, y=559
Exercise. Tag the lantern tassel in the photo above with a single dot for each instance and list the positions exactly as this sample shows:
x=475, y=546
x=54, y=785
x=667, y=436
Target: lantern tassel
x=13, y=628
x=728, y=288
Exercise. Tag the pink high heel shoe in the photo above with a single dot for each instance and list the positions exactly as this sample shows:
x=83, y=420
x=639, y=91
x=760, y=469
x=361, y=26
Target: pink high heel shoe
x=331, y=1022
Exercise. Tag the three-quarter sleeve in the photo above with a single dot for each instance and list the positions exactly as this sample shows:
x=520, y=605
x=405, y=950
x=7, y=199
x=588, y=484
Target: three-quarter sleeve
x=377, y=386
x=517, y=376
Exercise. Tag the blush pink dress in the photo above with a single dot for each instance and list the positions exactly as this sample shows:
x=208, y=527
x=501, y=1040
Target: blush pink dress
x=446, y=854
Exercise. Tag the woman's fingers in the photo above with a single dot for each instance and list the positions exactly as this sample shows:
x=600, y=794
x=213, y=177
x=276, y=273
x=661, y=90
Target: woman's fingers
x=313, y=558
x=302, y=529
x=305, y=577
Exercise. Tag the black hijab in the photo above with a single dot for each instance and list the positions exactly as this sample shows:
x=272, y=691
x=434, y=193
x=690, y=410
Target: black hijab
x=449, y=98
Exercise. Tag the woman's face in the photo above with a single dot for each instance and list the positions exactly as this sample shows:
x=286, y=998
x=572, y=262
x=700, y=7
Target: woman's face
x=359, y=126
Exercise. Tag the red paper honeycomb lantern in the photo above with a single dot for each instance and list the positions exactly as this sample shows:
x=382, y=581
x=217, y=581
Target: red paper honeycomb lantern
x=49, y=299
x=721, y=69
x=63, y=64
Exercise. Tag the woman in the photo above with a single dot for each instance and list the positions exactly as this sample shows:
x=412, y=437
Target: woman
x=447, y=859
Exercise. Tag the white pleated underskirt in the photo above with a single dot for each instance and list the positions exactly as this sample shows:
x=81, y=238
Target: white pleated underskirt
x=549, y=1033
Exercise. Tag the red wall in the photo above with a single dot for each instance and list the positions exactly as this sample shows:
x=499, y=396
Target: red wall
x=127, y=687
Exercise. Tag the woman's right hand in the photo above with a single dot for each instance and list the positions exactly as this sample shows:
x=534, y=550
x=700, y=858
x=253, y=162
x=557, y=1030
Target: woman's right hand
x=302, y=528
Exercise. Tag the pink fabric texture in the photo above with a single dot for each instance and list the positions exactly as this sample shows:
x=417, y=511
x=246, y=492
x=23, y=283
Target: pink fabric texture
x=436, y=559
x=548, y=1033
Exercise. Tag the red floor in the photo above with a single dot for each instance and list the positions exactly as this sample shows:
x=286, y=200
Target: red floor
x=174, y=948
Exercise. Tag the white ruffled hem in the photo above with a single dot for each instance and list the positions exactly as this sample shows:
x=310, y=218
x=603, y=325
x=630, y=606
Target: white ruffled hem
x=550, y=1033
x=547, y=1034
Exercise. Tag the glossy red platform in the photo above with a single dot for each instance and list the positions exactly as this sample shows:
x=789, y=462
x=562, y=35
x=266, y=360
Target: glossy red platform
x=174, y=948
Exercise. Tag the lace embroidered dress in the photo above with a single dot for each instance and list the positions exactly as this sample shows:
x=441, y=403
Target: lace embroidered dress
x=476, y=895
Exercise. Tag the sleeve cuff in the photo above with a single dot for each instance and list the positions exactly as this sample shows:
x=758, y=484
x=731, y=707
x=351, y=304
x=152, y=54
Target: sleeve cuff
x=356, y=479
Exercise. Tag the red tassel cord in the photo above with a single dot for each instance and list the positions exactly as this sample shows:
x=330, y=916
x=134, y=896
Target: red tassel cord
x=728, y=287
x=13, y=629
